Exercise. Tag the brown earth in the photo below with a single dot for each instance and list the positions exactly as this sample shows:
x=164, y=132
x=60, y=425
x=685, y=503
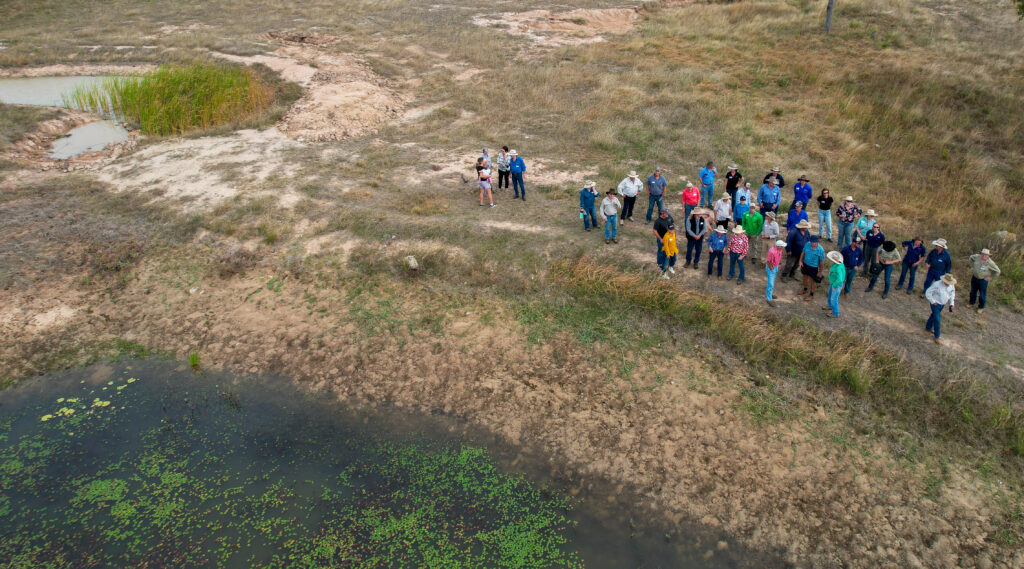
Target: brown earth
x=564, y=28
x=32, y=148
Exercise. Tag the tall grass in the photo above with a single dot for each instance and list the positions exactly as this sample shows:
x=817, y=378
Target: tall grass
x=175, y=99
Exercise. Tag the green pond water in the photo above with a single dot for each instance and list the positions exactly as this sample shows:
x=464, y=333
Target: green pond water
x=147, y=464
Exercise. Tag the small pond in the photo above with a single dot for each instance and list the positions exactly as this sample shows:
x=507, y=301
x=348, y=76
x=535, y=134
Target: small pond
x=49, y=92
x=146, y=464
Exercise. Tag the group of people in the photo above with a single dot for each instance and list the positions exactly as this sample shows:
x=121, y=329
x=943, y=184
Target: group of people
x=509, y=166
x=746, y=226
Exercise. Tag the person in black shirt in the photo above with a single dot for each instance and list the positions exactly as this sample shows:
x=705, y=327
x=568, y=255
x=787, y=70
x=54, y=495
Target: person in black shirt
x=775, y=174
x=733, y=179
x=661, y=226
x=825, y=215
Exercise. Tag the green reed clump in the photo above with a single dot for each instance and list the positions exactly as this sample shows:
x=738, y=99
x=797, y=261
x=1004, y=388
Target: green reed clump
x=175, y=99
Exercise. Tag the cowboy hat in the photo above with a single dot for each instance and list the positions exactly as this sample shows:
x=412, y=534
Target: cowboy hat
x=734, y=167
x=940, y=243
x=985, y=252
x=798, y=203
x=804, y=224
x=771, y=214
x=514, y=153
x=780, y=243
x=888, y=246
x=802, y=178
x=737, y=229
x=835, y=256
x=719, y=229
x=590, y=184
x=848, y=199
x=632, y=173
x=870, y=213
x=949, y=279
x=775, y=168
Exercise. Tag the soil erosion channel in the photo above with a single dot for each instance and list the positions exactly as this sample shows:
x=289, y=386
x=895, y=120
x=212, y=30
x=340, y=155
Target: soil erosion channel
x=147, y=463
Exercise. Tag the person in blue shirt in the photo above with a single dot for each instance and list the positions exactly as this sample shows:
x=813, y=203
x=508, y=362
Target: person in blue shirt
x=911, y=259
x=853, y=256
x=938, y=262
x=517, y=168
x=802, y=192
x=872, y=243
x=716, y=247
x=744, y=191
x=810, y=265
x=795, y=241
x=707, y=181
x=768, y=196
x=587, y=196
x=655, y=185
x=796, y=215
x=740, y=209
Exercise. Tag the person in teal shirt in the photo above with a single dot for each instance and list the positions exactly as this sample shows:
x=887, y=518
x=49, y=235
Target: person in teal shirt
x=864, y=225
x=810, y=263
x=836, y=279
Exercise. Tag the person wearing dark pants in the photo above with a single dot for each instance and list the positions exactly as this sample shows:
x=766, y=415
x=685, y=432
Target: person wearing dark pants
x=696, y=229
x=661, y=227
x=983, y=270
x=795, y=242
x=517, y=168
x=501, y=161
x=940, y=293
x=739, y=246
x=887, y=258
x=872, y=244
x=716, y=250
x=587, y=196
x=913, y=257
x=853, y=256
x=938, y=263
x=655, y=193
x=629, y=188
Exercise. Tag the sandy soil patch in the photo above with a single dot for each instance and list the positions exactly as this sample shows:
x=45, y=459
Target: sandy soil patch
x=564, y=28
x=62, y=69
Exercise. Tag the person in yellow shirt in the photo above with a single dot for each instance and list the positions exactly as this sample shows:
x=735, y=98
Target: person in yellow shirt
x=670, y=249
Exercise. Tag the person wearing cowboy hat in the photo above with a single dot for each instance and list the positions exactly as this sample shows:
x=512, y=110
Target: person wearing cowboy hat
x=853, y=256
x=983, y=270
x=810, y=266
x=836, y=281
x=517, y=168
x=938, y=262
x=501, y=160
x=887, y=257
x=872, y=244
x=769, y=196
x=629, y=188
x=609, y=210
x=739, y=246
x=796, y=215
x=775, y=173
x=723, y=211
x=802, y=192
x=772, y=260
x=707, y=180
x=733, y=179
x=769, y=232
x=940, y=293
x=796, y=240
x=864, y=225
x=691, y=198
x=587, y=197
x=716, y=249
x=752, y=224
x=696, y=229
x=846, y=219
x=914, y=256
x=655, y=185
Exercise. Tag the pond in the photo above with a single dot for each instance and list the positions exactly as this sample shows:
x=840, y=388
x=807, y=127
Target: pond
x=145, y=463
x=49, y=92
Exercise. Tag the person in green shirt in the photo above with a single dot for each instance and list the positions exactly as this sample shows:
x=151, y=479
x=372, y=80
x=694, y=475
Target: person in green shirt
x=836, y=280
x=752, y=223
x=983, y=270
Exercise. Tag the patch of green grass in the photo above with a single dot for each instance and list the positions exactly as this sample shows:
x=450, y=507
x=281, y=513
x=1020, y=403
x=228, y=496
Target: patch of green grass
x=764, y=405
x=193, y=361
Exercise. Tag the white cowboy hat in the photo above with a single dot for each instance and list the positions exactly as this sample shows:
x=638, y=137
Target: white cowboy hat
x=771, y=214
x=737, y=229
x=804, y=224
x=775, y=168
x=940, y=243
x=949, y=279
x=719, y=229
x=514, y=153
x=734, y=167
x=848, y=199
x=870, y=213
x=985, y=252
x=780, y=243
x=632, y=173
x=835, y=256
x=590, y=184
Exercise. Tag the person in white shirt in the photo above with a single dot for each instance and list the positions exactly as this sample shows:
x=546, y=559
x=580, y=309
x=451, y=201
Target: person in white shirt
x=610, y=213
x=723, y=212
x=629, y=187
x=940, y=293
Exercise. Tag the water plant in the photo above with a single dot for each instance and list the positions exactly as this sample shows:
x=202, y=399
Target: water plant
x=175, y=99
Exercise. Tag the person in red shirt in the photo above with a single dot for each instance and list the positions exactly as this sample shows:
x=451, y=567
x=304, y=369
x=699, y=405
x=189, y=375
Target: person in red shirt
x=691, y=197
x=739, y=245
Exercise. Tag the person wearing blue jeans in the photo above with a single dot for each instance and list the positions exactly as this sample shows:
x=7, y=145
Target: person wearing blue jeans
x=836, y=278
x=517, y=168
x=942, y=292
x=846, y=221
x=587, y=196
x=716, y=250
x=655, y=185
x=739, y=246
x=610, y=214
x=983, y=270
x=707, y=184
x=913, y=257
x=825, y=215
x=888, y=257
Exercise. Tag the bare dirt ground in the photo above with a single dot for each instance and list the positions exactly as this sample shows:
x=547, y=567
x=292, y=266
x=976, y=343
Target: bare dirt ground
x=573, y=27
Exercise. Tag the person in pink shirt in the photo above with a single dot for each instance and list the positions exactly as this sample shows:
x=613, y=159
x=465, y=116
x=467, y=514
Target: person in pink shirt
x=772, y=260
x=691, y=197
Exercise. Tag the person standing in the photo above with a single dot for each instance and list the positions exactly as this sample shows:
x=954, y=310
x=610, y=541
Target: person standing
x=887, y=257
x=716, y=249
x=940, y=293
x=770, y=232
x=983, y=270
x=696, y=229
x=723, y=212
x=775, y=173
x=836, y=278
x=810, y=266
x=743, y=192
x=846, y=219
x=772, y=260
x=739, y=245
x=670, y=250
x=483, y=175
x=796, y=215
x=691, y=198
x=913, y=257
x=802, y=192
x=588, y=195
x=610, y=214
x=752, y=223
x=707, y=180
x=733, y=179
x=739, y=210
x=797, y=238
x=655, y=192
x=872, y=244
x=825, y=214
x=660, y=228
x=864, y=225
x=853, y=256
x=768, y=196
x=501, y=161
x=629, y=187
x=517, y=168
x=938, y=262
x=487, y=158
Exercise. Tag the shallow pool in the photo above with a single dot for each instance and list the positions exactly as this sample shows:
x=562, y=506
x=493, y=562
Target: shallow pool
x=145, y=463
